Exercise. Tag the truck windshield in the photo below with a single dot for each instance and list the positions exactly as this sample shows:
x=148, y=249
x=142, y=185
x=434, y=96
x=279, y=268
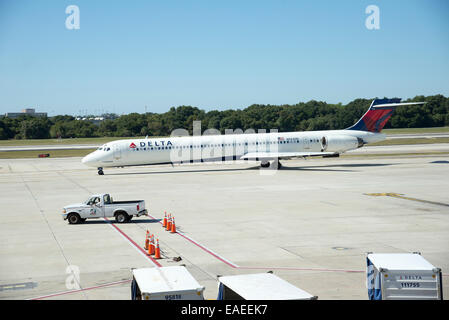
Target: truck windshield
x=92, y=200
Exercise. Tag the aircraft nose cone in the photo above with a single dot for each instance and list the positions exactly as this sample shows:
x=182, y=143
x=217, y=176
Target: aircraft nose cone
x=88, y=159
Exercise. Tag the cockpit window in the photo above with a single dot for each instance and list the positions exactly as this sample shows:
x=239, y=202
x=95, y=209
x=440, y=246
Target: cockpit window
x=104, y=148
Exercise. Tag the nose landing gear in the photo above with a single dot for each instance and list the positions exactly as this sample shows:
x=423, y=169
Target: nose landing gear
x=100, y=171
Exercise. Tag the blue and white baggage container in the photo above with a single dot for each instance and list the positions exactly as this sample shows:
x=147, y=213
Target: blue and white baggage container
x=402, y=276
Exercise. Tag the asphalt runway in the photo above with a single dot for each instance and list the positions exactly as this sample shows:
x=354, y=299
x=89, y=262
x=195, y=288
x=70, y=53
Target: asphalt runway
x=403, y=148
x=311, y=223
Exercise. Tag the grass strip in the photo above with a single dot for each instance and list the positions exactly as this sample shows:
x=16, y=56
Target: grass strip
x=53, y=153
x=408, y=141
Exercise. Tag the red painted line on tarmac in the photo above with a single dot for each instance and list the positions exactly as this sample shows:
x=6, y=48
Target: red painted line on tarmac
x=232, y=265
x=208, y=251
x=133, y=243
x=311, y=269
x=304, y=269
x=156, y=263
x=80, y=290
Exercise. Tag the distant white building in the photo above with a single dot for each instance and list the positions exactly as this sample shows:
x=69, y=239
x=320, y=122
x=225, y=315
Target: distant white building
x=27, y=111
x=94, y=120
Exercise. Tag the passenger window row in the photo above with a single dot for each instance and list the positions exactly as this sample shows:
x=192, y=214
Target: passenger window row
x=223, y=145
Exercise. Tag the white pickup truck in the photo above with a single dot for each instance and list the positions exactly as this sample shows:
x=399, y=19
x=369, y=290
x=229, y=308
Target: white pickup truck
x=101, y=206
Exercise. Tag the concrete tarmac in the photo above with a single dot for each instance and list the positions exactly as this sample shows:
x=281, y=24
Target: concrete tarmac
x=403, y=148
x=311, y=223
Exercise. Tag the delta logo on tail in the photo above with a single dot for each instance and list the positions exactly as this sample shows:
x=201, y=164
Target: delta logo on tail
x=376, y=117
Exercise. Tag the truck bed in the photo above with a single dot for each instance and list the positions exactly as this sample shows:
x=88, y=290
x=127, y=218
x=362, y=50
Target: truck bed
x=124, y=202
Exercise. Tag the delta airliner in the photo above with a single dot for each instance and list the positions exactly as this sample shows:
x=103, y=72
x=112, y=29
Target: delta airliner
x=268, y=148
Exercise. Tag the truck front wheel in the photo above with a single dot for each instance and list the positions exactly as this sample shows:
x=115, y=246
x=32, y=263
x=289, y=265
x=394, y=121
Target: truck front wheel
x=121, y=217
x=74, y=218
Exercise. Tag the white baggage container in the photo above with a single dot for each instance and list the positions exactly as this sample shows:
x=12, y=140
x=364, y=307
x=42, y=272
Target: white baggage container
x=402, y=276
x=259, y=286
x=165, y=283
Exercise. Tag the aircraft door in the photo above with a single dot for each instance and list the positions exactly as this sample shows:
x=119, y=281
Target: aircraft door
x=117, y=152
x=306, y=143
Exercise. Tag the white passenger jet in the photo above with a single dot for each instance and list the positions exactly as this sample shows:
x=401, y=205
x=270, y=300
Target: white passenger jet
x=268, y=148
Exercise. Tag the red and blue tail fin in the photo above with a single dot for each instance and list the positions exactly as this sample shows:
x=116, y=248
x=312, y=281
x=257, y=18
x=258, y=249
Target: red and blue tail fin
x=378, y=114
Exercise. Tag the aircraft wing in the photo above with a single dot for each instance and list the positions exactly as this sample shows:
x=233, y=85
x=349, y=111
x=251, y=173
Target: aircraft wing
x=282, y=155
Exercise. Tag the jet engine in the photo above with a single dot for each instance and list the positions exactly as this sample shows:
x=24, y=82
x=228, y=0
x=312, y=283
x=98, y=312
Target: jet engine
x=342, y=143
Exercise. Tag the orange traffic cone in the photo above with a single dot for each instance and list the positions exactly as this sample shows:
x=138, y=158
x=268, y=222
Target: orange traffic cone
x=157, y=254
x=147, y=240
x=151, y=249
x=164, y=223
x=168, y=223
x=173, y=226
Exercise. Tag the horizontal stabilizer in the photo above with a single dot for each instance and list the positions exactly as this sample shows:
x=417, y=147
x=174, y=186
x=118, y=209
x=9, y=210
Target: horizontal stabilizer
x=394, y=105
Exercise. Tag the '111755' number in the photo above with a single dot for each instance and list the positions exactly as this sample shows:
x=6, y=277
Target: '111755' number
x=410, y=285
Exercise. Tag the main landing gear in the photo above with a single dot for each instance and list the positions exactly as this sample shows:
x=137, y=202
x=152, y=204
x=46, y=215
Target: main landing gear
x=100, y=171
x=265, y=164
x=273, y=165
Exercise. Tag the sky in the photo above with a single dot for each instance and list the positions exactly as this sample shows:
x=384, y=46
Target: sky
x=137, y=56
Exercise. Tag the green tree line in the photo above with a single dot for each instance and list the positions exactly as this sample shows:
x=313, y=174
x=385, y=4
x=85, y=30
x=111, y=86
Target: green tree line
x=312, y=115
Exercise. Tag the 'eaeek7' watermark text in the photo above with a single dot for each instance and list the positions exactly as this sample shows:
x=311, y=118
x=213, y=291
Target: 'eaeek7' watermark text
x=229, y=309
